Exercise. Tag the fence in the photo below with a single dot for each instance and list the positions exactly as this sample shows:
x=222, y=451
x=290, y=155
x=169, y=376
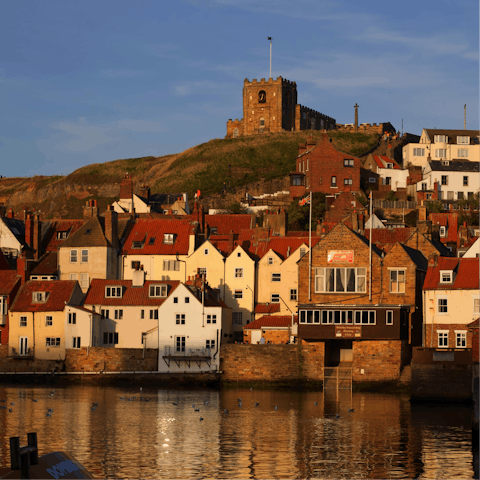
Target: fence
x=395, y=205
x=179, y=351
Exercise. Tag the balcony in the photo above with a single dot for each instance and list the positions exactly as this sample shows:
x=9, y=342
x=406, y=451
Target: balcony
x=188, y=355
x=28, y=354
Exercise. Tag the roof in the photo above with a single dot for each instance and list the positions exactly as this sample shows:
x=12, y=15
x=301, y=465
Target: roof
x=210, y=297
x=3, y=262
x=224, y=223
x=465, y=274
x=386, y=236
x=453, y=134
x=17, y=227
x=48, y=265
x=133, y=296
x=58, y=292
x=8, y=280
x=78, y=307
x=267, y=308
x=151, y=233
x=454, y=166
x=474, y=324
x=280, y=321
x=417, y=257
x=382, y=160
x=449, y=220
x=90, y=234
x=50, y=230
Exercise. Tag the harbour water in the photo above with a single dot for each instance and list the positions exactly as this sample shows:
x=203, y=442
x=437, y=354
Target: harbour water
x=158, y=433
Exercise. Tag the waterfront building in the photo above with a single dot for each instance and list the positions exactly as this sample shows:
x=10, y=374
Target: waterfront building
x=10, y=283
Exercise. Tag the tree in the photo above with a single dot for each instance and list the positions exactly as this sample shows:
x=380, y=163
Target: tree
x=298, y=215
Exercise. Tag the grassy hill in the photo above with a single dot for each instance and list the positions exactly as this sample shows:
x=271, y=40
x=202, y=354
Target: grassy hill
x=240, y=160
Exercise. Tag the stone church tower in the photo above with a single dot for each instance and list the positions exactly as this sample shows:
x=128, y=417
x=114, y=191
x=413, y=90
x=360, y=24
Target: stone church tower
x=271, y=106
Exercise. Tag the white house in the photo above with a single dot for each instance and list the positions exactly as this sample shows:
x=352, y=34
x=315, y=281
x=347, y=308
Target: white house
x=474, y=250
x=82, y=327
x=389, y=171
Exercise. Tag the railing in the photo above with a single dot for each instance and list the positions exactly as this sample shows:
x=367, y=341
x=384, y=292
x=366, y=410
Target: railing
x=400, y=204
x=172, y=351
x=337, y=377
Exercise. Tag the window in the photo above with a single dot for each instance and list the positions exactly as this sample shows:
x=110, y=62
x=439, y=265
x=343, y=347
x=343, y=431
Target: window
x=236, y=132
x=72, y=318
x=397, y=281
x=118, y=314
x=180, y=319
x=338, y=317
x=74, y=276
x=476, y=306
x=293, y=294
x=333, y=182
x=371, y=180
x=441, y=152
x=275, y=298
x=424, y=186
x=347, y=181
x=449, y=195
x=348, y=162
x=276, y=277
x=76, y=342
x=210, y=344
x=442, y=305
x=39, y=297
x=175, y=299
x=239, y=254
x=446, y=276
x=105, y=313
x=463, y=140
x=135, y=265
x=465, y=181
x=142, y=314
x=460, y=195
x=238, y=293
x=365, y=317
x=179, y=344
x=169, y=238
x=52, y=341
x=62, y=235
x=303, y=251
x=262, y=122
x=113, y=292
x=444, y=179
x=460, y=339
x=339, y=280
x=157, y=291
x=171, y=265
x=84, y=256
x=151, y=241
x=137, y=244
x=202, y=271
x=270, y=260
x=442, y=338
x=462, y=152
x=154, y=314
x=389, y=165
x=205, y=251
x=48, y=321
x=445, y=163
x=187, y=299
x=307, y=164
x=418, y=152
x=239, y=273
x=389, y=317
x=110, y=338
x=23, y=321
x=211, y=319
x=73, y=256
x=440, y=139
x=84, y=280
x=237, y=318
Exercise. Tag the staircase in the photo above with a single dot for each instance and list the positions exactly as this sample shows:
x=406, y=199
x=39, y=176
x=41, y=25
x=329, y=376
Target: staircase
x=338, y=377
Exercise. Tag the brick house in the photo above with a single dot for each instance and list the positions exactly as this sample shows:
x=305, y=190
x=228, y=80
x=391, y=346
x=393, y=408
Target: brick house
x=274, y=329
x=322, y=168
x=355, y=310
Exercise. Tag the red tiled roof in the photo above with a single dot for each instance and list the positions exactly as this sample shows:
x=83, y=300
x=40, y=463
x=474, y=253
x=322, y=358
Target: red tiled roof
x=474, y=324
x=267, y=308
x=449, y=220
x=47, y=266
x=3, y=262
x=145, y=229
x=226, y=222
x=382, y=160
x=271, y=321
x=465, y=274
x=58, y=292
x=8, y=280
x=51, y=242
x=131, y=295
x=298, y=234
x=386, y=236
x=280, y=245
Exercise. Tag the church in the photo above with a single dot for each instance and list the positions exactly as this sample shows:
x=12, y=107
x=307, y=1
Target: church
x=271, y=107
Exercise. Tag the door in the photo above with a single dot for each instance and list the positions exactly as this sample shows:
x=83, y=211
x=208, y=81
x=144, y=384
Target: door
x=23, y=345
x=256, y=335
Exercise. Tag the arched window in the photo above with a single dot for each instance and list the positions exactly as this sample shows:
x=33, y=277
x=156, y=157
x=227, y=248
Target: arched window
x=262, y=122
x=236, y=133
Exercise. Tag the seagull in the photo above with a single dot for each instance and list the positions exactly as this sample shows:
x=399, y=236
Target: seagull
x=351, y=409
x=3, y=406
x=197, y=409
x=92, y=408
x=13, y=403
x=50, y=410
x=141, y=388
x=239, y=400
x=251, y=388
x=201, y=418
x=337, y=416
x=49, y=414
x=10, y=410
x=95, y=404
x=315, y=403
x=276, y=408
x=256, y=404
x=35, y=400
x=174, y=403
x=225, y=411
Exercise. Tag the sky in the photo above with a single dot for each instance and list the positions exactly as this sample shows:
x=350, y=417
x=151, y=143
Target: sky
x=94, y=81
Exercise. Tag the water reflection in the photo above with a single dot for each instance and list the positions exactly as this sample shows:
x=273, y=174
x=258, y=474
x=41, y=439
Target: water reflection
x=158, y=433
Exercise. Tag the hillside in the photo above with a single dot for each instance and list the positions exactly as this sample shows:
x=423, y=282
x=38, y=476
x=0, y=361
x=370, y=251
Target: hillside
x=237, y=161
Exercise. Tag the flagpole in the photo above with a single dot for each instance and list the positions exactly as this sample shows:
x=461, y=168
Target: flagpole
x=310, y=250
x=370, y=252
x=270, y=38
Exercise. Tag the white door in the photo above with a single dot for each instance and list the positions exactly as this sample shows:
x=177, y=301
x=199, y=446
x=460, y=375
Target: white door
x=23, y=346
x=256, y=335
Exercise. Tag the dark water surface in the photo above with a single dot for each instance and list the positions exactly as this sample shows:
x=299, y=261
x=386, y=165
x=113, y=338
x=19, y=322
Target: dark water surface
x=384, y=437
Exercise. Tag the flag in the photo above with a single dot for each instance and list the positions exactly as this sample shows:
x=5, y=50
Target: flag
x=269, y=38
x=305, y=201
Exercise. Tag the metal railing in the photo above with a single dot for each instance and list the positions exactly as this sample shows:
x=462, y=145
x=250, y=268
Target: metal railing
x=337, y=377
x=173, y=351
x=409, y=205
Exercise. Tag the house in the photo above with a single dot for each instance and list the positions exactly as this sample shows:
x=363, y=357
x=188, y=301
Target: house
x=129, y=309
x=390, y=172
x=447, y=226
x=452, y=301
x=92, y=251
x=12, y=238
x=10, y=284
x=194, y=322
x=38, y=318
x=356, y=305
x=441, y=144
x=129, y=202
x=273, y=329
x=474, y=250
x=161, y=246
x=320, y=167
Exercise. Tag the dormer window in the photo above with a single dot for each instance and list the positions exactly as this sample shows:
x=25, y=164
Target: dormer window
x=213, y=230
x=440, y=139
x=446, y=163
x=443, y=231
x=39, y=297
x=348, y=162
x=137, y=244
x=157, y=291
x=169, y=238
x=113, y=292
x=446, y=276
x=151, y=241
x=62, y=235
x=389, y=165
x=463, y=140
x=270, y=261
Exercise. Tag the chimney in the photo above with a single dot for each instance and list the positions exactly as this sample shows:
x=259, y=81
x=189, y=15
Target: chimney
x=138, y=277
x=22, y=266
x=318, y=229
x=126, y=187
x=230, y=242
x=144, y=192
x=90, y=210
x=354, y=222
x=422, y=213
x=111, y=226
x=29, y=231
x=36, y=235
x=390, y=152
x=10, y=213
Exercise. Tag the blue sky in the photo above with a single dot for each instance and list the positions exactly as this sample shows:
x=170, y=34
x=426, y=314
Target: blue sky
x=93, y=81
